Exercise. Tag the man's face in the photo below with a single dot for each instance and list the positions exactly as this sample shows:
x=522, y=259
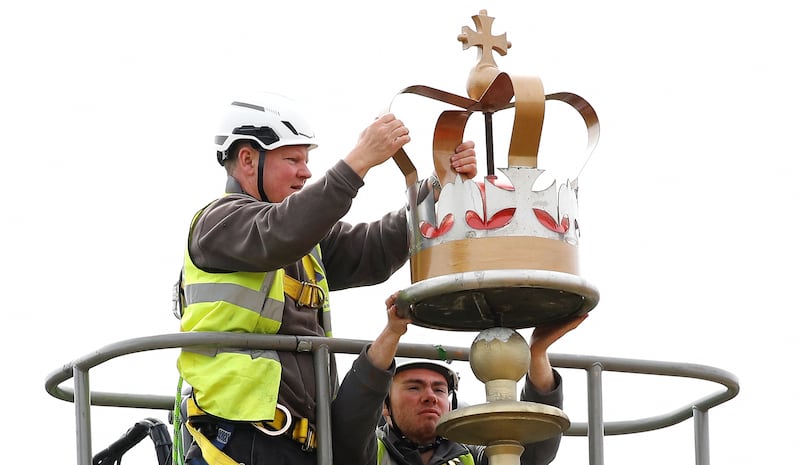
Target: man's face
x=418, y=399
x=285, y=171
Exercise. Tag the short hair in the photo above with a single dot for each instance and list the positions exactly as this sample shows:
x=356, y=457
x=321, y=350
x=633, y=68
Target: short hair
x=233, y=150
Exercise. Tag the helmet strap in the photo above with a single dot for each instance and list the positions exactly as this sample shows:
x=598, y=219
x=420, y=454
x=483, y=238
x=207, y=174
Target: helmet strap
x=262, y=155
x=392, y=424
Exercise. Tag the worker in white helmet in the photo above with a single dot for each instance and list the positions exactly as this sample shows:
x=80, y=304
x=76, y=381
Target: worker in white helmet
x=262, y=259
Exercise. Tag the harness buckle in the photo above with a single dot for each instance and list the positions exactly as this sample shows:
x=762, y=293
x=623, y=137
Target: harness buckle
x=305, y=433
x=311, y=439
x=311, y=295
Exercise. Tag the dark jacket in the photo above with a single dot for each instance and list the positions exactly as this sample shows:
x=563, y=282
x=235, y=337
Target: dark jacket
x=357, y=409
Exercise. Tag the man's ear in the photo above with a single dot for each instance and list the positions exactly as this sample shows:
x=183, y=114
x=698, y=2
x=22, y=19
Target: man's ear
x=248, y=158
x=387, y=410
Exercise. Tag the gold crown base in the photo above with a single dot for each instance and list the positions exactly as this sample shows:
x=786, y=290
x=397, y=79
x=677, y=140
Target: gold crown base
x=512, y=298
x=509, y=281
x=494, y=253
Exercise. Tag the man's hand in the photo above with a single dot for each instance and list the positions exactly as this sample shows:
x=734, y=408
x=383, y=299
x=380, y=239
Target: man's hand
x=545, y=335
x=381, y=353
x=396, y=324
x=377, y=143
x=464, y=161
x=541, y=372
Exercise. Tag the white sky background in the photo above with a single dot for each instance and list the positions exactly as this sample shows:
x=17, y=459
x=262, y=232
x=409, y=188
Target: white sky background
x=108, y=112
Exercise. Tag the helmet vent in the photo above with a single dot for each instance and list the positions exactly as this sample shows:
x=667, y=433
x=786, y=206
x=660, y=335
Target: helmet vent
x=291, y=128
x=295, y=131
x=248, y=105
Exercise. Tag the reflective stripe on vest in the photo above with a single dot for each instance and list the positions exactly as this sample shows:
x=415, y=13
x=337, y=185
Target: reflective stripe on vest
x=321, y=279
x=235, y=384
x=249, y=299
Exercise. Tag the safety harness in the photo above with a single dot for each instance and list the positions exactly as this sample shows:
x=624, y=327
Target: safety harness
x=299, y=430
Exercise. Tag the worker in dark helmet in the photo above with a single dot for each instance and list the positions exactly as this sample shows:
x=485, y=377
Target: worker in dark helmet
x=262, y=259
x=411, y=397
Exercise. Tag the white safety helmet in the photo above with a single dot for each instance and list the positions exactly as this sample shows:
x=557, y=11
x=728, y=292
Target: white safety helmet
x=450, y=375
x=269, y=120
x=434, y=365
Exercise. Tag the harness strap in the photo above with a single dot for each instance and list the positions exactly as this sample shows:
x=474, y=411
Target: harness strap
x=302, y=431
x=305, y=293
x=305, y=434
x=212, y=454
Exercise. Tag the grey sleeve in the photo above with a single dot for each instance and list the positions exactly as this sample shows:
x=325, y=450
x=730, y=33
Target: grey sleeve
x=366, y=253
x=240, y=233
x=543, y=452
x=356, y=411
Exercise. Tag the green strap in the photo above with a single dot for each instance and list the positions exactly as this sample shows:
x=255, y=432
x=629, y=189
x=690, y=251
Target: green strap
x=442, y=352
x=177, y=441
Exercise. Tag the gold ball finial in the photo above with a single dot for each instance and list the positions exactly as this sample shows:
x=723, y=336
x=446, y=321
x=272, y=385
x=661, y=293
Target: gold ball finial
x=499, y=357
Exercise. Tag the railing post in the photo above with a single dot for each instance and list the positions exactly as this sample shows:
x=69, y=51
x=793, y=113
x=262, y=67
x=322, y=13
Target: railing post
x=83, y=421
x=596, y=430
x=701, y=441
x=322, y=372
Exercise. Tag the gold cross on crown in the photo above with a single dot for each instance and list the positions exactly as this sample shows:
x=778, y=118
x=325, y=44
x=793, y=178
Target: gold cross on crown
x=486, y=69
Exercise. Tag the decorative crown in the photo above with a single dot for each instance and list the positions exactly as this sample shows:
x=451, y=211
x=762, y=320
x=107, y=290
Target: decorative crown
x=491, y=225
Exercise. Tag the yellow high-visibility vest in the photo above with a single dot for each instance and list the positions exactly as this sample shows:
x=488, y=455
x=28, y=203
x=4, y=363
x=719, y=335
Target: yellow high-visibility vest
x=238, y=384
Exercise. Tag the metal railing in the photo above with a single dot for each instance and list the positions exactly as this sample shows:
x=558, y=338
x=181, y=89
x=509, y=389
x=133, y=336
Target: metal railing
x=595, y=429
